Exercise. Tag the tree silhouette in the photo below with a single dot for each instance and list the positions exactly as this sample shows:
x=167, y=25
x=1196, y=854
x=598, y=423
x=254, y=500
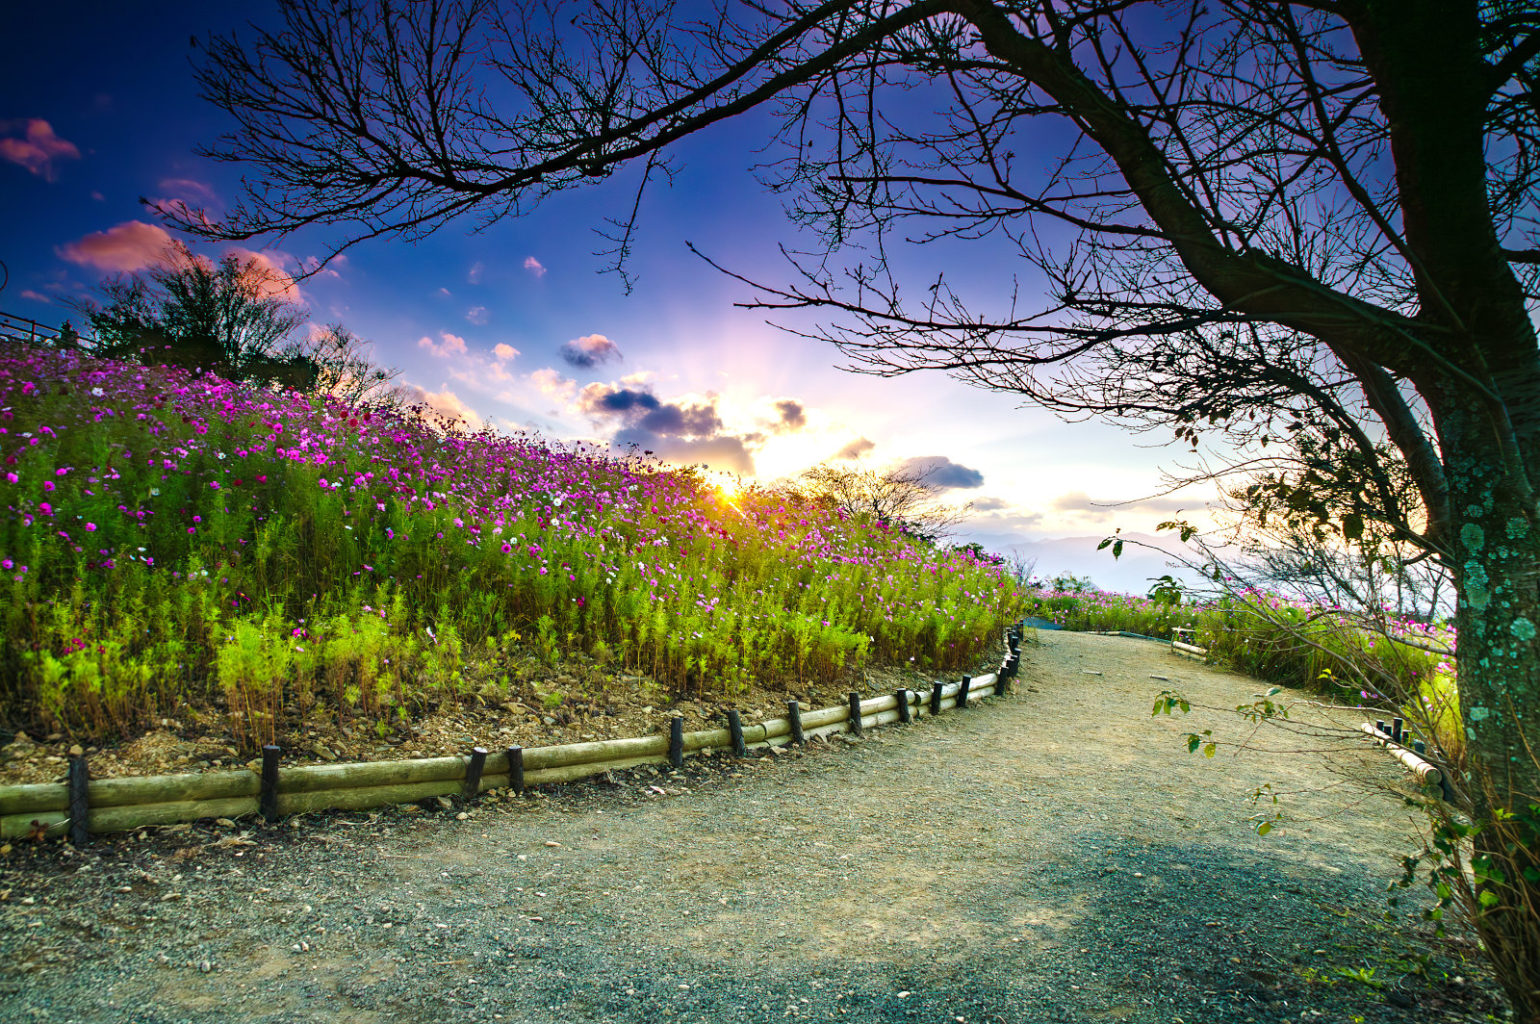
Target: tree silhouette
x=1248, y=217
x=228, y=318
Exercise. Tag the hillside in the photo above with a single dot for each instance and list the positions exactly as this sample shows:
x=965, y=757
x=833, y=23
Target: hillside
x=177, y=546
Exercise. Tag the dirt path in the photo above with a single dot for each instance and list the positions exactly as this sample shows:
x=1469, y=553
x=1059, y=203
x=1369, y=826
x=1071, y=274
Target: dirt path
x=1057, y=855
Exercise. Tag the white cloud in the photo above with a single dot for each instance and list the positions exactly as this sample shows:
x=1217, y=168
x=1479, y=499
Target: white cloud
x=473, y=276
x=477, y=315
x=589, y=351
x=449, y=345
x=552, y=384
x=504, y=351
x=447, y=404
x=127, y=247
x=37, y=148
x=275, y=281
x=534, y=266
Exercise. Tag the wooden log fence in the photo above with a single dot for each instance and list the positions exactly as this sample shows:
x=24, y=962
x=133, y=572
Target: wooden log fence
x=1181, y=643
x=1396, y=741
x=81, y=806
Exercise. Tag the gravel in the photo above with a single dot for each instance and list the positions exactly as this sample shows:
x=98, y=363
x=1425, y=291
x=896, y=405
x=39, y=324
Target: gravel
x=1055, y=855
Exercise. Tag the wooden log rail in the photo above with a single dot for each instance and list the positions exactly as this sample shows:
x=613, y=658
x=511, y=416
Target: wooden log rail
x=123, y=804
x=1426, y=773
x=1181, y=643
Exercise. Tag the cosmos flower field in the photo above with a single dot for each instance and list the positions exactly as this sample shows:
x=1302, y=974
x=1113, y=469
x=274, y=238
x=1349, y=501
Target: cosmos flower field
x=171, y=540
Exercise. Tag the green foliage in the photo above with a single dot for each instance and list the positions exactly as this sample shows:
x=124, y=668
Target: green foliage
x=173, y=541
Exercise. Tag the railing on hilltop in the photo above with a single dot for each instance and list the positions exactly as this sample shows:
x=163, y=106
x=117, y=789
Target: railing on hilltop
x=32, y=332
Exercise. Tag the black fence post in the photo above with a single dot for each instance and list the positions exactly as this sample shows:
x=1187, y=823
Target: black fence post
x=80, y=803
x=516, y=769
x=473, y=772
x=676, y=741
x=903, y=705
x=1003, y=678
x=935, y=698
x=1396, y=727
x=855, y=713
x=794, y=713
x=268, y=802
x=735, y=727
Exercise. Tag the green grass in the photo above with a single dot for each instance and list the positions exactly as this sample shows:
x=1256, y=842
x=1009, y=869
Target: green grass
x=171, y=542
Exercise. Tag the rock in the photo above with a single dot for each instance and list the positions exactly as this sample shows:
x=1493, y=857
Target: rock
x=77, y=751
x=445, y=802
x=205, y=967
x=461, y=816
x=224, y=822
x=548, y=720
x=53, y=737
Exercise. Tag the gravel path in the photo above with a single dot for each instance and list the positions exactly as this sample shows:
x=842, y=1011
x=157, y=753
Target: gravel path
x=1055, y=855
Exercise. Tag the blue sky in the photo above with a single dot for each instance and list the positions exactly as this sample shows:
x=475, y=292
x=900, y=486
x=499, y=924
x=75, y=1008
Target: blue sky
x=99, y=109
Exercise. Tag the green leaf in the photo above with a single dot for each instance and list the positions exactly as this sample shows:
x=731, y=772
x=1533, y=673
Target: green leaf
x=1489, y=898
x=1353, y=526
x=1209, y=750
x=1264, y=828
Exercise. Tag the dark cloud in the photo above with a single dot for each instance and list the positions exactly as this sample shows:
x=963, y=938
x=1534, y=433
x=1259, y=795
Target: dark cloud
x=676, y=431
x=793, y=416
x=990, y=504
x=942, y=473
x=725, y=452
x=855, y=449
x=589, y=351
x=618, y=400
x=682, y=420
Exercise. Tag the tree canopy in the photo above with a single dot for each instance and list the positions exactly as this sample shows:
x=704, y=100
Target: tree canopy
x=1266, y=219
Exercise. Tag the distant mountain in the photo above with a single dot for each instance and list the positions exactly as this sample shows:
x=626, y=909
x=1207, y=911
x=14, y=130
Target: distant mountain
x=1133, y=573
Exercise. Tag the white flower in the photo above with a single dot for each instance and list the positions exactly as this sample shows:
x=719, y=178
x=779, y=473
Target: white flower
x=98, y=392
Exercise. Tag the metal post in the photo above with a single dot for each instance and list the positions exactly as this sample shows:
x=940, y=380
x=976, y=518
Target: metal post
x=735, y=727
x=268, y=802
x=79, y=798
x=516, y=769
x=855, y=713
x=676, y=741
x=473, y=772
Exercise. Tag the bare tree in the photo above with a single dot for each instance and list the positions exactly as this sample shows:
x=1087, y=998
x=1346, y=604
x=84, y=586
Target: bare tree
x=1255, y=216
x=229, y=318
x=347, y=372
x=900, y=497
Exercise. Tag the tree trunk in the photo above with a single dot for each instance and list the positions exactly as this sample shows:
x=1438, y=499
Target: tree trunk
x=1497, y=578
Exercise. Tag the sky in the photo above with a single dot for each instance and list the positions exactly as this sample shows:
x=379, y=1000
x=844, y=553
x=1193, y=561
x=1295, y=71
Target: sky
x=514, y=325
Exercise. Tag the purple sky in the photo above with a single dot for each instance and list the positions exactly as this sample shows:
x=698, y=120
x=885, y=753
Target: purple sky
x=513, y=325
